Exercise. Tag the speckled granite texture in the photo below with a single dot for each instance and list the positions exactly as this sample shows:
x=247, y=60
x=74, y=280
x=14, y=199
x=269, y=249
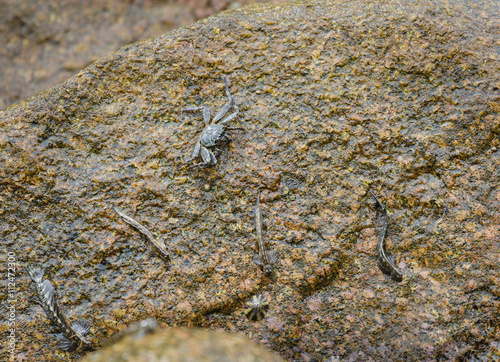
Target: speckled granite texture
x=337, y=98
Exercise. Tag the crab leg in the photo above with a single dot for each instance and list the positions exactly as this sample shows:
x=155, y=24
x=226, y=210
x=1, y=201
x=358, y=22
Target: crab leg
x=226, y=107
x=206, y=113
x=222, y=112
x=208, y=157
x=231, y=116
x=195, y=154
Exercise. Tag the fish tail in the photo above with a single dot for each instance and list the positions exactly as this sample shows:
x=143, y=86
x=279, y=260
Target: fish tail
x=36, y=273
x=81, y=327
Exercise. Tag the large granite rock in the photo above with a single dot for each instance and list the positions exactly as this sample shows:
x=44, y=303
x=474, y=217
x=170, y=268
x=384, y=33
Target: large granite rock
x=337, y=98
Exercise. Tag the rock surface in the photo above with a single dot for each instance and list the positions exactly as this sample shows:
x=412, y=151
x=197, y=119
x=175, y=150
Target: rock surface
x=337, y=98
x=184, y=344
x=45, y=43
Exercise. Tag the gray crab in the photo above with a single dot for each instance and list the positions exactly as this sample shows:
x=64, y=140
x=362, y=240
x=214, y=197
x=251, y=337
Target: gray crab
x=214, y=134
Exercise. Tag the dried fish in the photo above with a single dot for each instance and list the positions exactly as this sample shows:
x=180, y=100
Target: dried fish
x=266, y=259
x=73, y=335
x=157, y=246
x=385, y=259
x=257, y=308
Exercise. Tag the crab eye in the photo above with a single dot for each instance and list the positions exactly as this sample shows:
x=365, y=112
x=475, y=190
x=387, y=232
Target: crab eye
x=206, y=140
